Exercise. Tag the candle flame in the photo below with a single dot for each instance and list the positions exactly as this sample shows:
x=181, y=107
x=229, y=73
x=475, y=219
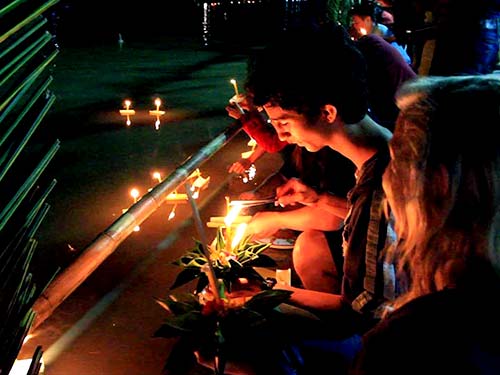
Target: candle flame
x=158, y=103
x=172, y=213
x=127, y=103
x=134, y=193
x=362, y=31
x=240, y=231
x=137, y=228
x=157, y=175
x=231, y=215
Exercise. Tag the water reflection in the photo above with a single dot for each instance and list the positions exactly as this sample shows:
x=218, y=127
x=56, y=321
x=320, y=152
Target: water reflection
x=247, y=20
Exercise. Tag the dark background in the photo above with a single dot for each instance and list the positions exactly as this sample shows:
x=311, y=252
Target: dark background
x=78, y=22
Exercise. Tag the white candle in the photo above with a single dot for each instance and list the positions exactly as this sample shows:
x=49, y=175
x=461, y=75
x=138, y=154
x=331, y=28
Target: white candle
x=235, y=85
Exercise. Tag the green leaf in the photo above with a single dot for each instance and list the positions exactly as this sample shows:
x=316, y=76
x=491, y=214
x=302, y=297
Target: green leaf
x=189, y=322
x=185, y=276
x=202, y=282
x=182, y=304
x=263, y=261
x=268, y=299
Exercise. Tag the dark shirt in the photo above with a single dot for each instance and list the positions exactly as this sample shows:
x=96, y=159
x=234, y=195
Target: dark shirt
x=325, y=170
x=387, y=70
x=365, y=236
x=454, y=331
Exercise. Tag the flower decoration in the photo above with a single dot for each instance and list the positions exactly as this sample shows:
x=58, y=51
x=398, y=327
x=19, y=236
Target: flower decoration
x=215, y=328
x=229, y=263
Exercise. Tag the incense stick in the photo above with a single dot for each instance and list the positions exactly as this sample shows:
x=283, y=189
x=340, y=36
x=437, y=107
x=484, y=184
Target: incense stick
x=212, y=280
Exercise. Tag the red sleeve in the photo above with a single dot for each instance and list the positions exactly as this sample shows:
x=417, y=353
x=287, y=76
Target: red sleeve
x=264, y=135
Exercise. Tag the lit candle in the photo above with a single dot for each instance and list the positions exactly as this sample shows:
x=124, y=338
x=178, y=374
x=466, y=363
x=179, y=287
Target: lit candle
x=127, y=111
x=157, y=175
x=232, y=214
x=157, y=113
x=135, y=194
x=235, y=85
x=240, y=231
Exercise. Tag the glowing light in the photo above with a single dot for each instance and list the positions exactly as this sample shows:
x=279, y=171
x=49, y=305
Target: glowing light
x=172, y=213
x=134, y=193
x=157, y=176
x=240, y=231
x=231, y=215
x=137, y=228
x=235, y=86
x=362, y=31
x=127, y=111
x=21, y=366
x=157, y=112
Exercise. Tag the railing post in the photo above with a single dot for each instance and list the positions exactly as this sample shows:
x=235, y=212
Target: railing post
x=105, y=243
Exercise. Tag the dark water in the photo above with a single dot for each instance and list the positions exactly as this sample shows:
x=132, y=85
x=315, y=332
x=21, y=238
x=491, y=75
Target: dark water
x=233, y=21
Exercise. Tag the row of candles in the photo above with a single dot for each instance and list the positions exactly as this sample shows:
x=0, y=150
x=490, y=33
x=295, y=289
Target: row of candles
x=197, y=183
x=127, y=112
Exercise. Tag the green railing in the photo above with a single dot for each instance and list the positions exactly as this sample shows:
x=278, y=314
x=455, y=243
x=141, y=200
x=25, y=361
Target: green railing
x=27, y=52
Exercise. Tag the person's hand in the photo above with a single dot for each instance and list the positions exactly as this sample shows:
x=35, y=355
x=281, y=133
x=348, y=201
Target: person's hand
x=295, y=191
x=249, y=195
x=263, y=224
x=233, y=111
x=243, y=101
x=240, y=166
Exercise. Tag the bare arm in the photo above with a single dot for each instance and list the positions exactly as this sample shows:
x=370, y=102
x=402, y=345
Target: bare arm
x=266, y=223
x=294, y=191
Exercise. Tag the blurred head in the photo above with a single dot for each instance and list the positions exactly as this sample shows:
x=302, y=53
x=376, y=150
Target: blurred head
x=443, y=182
x=363, y=18
x=304, y=71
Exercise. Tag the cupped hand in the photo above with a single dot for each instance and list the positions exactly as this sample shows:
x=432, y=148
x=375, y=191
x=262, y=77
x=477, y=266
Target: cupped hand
x=295, y=191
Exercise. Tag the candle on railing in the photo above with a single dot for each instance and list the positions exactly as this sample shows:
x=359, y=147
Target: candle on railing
x=134, y=194
x=235, y=86
x=157, y=176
